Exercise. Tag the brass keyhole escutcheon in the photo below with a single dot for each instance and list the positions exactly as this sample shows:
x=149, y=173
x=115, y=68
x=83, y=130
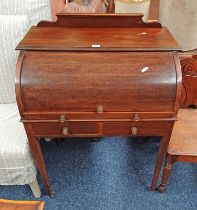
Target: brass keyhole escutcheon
x=65, y=131
x=134, y=131
x=100, y=109
x=62, y=118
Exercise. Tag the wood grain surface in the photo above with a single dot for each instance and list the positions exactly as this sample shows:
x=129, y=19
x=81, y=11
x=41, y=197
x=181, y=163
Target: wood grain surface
x=83, y=39
x=92, y=20
x=88, y=80
x=21, y=205
x=83, y=81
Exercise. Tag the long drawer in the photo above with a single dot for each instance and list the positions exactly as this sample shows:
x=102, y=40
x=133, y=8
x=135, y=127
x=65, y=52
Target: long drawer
x=88, y=129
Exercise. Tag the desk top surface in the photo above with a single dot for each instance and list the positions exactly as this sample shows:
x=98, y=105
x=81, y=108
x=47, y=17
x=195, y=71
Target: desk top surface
x=98, y=39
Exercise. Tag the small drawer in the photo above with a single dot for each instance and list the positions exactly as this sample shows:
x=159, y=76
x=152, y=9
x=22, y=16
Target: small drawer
x=136, y=128
x=65, y=129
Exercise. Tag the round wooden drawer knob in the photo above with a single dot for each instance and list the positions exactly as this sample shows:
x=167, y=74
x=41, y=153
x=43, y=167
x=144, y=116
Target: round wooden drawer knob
x=65, y=131
x=100, y=109
x=134, y=131
x=62, y=118
x=136, y=117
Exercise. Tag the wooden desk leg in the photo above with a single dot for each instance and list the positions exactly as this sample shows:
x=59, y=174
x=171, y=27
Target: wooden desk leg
x=38, y=157
x=160, y=158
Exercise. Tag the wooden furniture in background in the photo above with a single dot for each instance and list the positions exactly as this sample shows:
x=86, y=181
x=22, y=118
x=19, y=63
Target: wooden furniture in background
x=111, y=8
x=21, y=205
x=154, y=10
x=104, y=75
x=189, y=71
x=183, y=143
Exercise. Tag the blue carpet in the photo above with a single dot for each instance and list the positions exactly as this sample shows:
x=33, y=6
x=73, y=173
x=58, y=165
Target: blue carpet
x=114, y=174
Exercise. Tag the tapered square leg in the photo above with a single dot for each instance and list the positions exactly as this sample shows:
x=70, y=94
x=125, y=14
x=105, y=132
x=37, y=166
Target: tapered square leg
x=38, y=157
x=164, y=142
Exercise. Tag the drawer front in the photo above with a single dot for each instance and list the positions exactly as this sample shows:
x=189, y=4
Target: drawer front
x=65, y=129
x=136, y=128
x=89, y=129
x=91, y=116
x=89, y=81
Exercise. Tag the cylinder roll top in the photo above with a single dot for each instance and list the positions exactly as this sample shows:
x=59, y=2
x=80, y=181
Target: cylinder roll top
x=80, y=82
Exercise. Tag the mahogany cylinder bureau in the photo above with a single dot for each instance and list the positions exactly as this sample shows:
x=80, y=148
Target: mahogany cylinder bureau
x=98, y=75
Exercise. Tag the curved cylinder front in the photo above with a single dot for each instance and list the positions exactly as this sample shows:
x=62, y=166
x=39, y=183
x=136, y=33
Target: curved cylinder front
x=83, y=81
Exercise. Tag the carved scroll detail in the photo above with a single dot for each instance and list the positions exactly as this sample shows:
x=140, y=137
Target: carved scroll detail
x=189, y=88
x=189, y=66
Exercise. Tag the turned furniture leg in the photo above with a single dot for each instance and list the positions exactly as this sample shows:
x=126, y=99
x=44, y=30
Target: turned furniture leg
x=160, y=158
x=38, y=157
x=166, y=173
x=35, y=188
